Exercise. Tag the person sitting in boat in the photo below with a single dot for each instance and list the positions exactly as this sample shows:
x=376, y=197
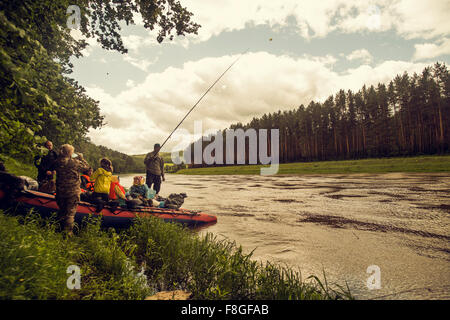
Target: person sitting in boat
x=117, y=191
x=68, y=169
x=102, y=177
x=86, y=183
x=139, y=190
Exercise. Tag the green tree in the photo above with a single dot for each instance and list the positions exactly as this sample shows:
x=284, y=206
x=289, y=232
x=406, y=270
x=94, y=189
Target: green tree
x=37, y=99
x=46, y=22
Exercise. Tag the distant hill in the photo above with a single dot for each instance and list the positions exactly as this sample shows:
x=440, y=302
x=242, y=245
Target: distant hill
x=122, y=162
x=167, y=156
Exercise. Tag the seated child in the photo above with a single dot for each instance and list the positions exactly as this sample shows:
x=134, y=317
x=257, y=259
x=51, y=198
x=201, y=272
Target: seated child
x=141, y=191
x=102, y=177
x=86, y=183
x=117, y=191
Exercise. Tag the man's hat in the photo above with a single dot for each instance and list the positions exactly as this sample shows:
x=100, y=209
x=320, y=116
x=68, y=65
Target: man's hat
x=157, y=145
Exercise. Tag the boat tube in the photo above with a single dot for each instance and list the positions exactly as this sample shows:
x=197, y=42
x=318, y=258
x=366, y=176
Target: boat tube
x=117, y=217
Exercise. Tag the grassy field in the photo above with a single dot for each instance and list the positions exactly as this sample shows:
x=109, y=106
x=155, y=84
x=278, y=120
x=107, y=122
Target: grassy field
x=420, y=164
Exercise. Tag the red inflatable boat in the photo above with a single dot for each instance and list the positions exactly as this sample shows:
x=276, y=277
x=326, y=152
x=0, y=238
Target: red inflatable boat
x=118, y=217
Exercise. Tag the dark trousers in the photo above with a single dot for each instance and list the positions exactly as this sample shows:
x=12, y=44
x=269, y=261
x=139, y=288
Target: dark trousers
x=43, y=177
x=67, y=210
x=101, y=196
x=155, y=180
x=99, y=199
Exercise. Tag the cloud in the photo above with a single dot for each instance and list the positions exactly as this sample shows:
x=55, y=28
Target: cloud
x=421, y=19
x=313, y=19
x=361, y=54
x=319, y=18
x=141, y=64
x=130, y=83
x=432, y=50
x=135, y=42
x=259, y=83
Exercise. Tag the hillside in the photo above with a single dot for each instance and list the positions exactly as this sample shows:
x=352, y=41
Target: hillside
x=167, y=157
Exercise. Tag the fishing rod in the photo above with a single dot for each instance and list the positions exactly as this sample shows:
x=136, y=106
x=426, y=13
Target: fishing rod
x=198, y=101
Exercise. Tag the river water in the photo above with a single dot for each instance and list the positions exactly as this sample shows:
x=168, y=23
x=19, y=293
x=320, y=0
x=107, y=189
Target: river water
x=340, y=224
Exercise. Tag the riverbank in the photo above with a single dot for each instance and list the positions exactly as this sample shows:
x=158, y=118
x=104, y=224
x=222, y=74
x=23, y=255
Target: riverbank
x=420, y=164
x=151, y=256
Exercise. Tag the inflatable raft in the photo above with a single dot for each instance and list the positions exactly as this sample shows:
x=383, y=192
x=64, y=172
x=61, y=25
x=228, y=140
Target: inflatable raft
x=117, y=217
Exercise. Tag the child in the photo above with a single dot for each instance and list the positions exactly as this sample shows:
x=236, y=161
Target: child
x=87, y=184
x=102, y=177
x=117, y=191
x=141, y=191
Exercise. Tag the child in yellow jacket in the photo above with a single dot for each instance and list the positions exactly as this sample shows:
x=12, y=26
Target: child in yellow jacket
x=102, y=177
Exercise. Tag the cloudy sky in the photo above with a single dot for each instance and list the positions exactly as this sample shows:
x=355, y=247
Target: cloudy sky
x=298, y=51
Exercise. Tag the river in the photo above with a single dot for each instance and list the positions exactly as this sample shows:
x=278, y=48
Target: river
x=340, y=224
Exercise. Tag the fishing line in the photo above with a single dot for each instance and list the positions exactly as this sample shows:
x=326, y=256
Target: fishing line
x=198, y=101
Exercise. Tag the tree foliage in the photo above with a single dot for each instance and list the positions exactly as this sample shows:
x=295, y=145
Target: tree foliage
x=38, y=100
x=46, y=22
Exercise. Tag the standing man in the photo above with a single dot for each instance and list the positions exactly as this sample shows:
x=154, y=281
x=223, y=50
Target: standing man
x=155, y=168
x=68, y=190
x=45, y=167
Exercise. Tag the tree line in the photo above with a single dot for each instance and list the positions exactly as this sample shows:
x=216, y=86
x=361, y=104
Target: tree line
x=408, y=116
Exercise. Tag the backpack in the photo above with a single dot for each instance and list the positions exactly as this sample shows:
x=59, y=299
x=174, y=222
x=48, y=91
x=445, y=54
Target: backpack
x=175, y=200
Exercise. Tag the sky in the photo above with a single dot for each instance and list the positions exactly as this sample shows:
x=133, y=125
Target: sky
x=290, y=52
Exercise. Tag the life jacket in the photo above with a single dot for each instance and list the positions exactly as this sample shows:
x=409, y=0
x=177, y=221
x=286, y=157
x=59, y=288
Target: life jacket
x=89, y=184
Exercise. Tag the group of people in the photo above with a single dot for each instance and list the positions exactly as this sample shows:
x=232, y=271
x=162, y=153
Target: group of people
x=75, y=178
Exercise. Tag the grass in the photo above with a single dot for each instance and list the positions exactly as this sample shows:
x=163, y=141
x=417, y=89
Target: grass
x=34, y=259
x=18, y=168
x=420, y=164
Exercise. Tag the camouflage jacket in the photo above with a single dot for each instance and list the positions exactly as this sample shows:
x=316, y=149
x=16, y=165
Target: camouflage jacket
x=68, y=176
x=154, y=163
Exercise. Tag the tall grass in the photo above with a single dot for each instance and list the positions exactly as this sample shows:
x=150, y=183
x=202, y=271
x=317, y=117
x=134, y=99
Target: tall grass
x=34, y=259
x=177, y=258
x=18, y=168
